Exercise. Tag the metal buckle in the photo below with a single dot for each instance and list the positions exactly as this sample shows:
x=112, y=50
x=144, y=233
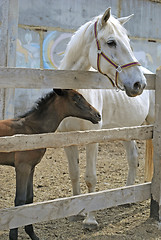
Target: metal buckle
x=119, y=69
x=99, y=51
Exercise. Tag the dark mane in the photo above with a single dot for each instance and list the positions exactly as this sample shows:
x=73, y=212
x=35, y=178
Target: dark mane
x=40, y=105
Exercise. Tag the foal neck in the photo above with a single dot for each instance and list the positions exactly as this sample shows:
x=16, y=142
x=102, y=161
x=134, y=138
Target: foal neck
x=45, y=116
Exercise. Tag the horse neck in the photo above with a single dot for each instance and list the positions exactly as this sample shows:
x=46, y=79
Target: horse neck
x=46, y=121
x=76, y=54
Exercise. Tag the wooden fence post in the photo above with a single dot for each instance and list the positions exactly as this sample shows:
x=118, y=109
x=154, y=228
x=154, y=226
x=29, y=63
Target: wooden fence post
x=155, y=209
x=9, y=32
x=149, y=161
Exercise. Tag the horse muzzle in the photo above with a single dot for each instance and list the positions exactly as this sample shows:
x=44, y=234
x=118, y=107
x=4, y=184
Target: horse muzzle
x=96, y=118
x=136, y=89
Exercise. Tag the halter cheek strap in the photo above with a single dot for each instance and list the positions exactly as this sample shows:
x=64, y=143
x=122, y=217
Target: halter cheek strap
x=117, y=66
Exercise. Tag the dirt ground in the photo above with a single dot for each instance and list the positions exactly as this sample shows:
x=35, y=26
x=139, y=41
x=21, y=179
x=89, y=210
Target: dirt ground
x=52, y=181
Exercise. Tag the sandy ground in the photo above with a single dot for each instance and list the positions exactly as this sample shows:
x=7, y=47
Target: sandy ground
x=52, y=181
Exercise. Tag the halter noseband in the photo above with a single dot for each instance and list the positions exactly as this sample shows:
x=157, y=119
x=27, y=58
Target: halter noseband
x=118, y=67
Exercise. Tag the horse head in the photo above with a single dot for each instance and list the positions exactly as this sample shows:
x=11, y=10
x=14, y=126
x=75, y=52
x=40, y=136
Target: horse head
x=111, y=54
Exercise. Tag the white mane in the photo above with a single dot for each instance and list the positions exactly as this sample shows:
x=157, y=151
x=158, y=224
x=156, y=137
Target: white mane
x=74, y=46
x=76, y=55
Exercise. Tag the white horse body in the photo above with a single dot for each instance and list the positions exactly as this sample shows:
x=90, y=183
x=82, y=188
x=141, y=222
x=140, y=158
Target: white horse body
x=116, y=108
x=122, y=111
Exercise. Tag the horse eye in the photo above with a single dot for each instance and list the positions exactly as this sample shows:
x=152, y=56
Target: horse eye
x=111, y=43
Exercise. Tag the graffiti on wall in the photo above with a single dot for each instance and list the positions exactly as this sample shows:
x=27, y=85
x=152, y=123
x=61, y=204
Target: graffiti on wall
x=54, y=46
x=147, y=53
x=28, y=52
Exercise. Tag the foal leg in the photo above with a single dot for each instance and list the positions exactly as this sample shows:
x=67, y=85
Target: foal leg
x=132, y=157
x=73, y=165
x=22, y=174
x=91, y=179
x=29, y=199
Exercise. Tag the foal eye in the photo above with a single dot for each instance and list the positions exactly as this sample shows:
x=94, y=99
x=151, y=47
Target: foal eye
x=111, y=43
x=77, y=99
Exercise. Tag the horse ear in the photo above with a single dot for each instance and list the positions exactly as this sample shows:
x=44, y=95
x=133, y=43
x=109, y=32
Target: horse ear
x=106, y=16
x=58, y=91
x=123, y=20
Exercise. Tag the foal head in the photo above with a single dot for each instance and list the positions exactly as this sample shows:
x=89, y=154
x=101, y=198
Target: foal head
x=50, y=110
x=71, y=103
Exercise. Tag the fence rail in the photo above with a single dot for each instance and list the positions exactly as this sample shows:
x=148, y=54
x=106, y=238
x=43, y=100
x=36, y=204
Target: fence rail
x=54, y=140
x=47, y=78
x=65, y=207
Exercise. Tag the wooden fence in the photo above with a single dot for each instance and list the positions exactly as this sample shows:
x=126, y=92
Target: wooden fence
x=44, y=211
x=11, y=78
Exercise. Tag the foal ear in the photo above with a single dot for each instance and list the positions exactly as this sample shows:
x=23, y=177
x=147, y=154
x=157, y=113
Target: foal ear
x=58, y=91
x=106, y=16
x=123, y=20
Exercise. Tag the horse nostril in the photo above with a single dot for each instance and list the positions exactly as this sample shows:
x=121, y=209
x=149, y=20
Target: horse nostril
x=98, y=115
x=137, y=85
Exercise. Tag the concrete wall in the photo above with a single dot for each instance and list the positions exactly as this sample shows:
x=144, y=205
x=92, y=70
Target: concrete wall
x=45, y=28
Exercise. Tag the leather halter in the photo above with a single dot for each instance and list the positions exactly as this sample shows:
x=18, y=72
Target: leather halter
x=117, y=66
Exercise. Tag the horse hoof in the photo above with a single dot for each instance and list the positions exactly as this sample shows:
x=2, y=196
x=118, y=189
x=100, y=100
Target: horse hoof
x=79, y=217
x=90, y=225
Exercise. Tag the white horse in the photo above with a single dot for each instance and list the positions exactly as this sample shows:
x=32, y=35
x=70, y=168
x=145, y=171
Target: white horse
x=103, y=44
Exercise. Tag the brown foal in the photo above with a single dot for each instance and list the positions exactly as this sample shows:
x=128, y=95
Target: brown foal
x=44, y=117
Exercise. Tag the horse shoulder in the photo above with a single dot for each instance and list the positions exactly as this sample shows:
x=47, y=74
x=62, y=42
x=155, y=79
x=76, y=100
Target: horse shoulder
x=6, y=128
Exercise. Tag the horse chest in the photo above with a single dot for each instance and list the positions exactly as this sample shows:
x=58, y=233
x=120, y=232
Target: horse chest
x=120, y=110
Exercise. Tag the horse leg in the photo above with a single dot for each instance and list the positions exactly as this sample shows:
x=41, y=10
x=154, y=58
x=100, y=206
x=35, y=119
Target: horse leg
x=29, y=199
x=132, y=157
x=22, y=174
x=91, y=179
x=73, y=165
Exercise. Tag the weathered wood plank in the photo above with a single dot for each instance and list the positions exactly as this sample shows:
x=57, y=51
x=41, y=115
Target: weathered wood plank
x=150, y=81
x=65, y=207
x=47, y=78
x=12, y=35
x=9, y=31
x=148, y=173
x=4, y=30
x=35, y=141
x=3, y=48
x=156, y=180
